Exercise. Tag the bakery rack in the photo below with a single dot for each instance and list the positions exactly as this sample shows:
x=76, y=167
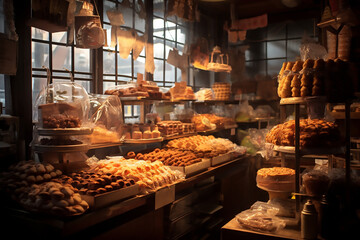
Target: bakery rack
x=296, y=102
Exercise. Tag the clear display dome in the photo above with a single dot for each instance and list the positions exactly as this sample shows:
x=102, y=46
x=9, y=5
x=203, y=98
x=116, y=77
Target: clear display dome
x=62, y=105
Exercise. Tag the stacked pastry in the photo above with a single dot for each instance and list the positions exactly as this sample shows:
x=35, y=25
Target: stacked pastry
x=204, y=94
x=315, y=78
x=221, y=90
x=170, y=157
x=313, y=133
x=26, y=173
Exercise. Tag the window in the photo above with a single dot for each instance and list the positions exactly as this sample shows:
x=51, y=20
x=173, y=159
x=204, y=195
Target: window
x=271, y=46
x=168, y=33
x=2, y=76
x=50, y=50
x=116, y=69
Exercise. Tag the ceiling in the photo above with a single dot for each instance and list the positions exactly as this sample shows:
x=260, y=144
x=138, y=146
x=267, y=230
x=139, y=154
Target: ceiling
x=251, y=8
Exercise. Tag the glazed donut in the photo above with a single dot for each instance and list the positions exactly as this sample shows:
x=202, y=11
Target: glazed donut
x=131, y=155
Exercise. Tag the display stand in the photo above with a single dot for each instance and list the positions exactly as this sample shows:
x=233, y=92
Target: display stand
x=296, y=102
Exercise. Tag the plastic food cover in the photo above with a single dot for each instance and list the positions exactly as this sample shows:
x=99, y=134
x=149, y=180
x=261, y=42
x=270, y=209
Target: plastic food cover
x=62, y=105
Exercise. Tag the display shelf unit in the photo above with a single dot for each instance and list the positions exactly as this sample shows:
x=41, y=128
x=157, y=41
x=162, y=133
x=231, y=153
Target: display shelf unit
x=301, y=152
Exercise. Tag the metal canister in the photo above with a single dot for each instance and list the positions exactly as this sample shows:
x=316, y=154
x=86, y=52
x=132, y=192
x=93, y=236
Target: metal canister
x=309, y=221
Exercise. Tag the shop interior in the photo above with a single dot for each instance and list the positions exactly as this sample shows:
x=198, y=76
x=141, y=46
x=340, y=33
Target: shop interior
x=180, y=119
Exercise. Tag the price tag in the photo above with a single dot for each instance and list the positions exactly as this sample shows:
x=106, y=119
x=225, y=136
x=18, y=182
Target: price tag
x=164, y=196
x=232, y=133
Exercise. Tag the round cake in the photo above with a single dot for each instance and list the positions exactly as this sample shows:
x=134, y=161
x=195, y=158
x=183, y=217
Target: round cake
x=276, y=179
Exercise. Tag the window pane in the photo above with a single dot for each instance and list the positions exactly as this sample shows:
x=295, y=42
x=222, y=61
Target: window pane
x=255, y=51
x=293, y=49
x=169, y=73
x=84, y=76
x=158, y=48
x=59, y=37
x=139, y=65
x=274, y=66
x=107, y=6
x=82, y=60
x=108, y=85
x=139, y=23
x=127, y=110
x=159, y=8
x=124, y=65
x=40, y=53
x=37, y=85
x=159, y=69
x=256, y=34
x=108, y=37
x=61, y=74
x=39, y=34
x=255, y=68
x=108, y=62
x=276, y=31
x=170, y=31
x=136, y=110
x=180, y=47
x=61, y=57
x=276, y=49
x=109, y=78
x=168, y=47
x=2, y=91
x=85, y=84
x=181, y=34
x=128, y=16
x=158, y=25
x=178, y=74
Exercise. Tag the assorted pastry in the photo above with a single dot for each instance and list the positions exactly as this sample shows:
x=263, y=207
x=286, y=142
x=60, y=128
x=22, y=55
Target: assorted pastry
x=142, y=89
x=211, y=121
x=61, y=121
x=209, y=146
x=149, y=175
x=90, y=183
x=53, y=198
x=314, y=78
x=168, y=128
x=314, y=133
x=170, y=157
x=26, y=173
x=204, y=94
x=140, y=131
x=180, y=91
x=222, y=90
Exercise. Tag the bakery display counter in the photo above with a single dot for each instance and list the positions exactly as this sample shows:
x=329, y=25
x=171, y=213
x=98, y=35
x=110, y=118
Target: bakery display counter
x=123, y=211
x=232, y=230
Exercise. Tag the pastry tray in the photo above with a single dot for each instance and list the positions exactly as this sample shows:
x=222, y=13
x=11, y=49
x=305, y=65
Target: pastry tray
x=103, y=199
x=61, y=148
x=193, y=168
x=150, y=140
x=221, y=159
x=64, y=131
